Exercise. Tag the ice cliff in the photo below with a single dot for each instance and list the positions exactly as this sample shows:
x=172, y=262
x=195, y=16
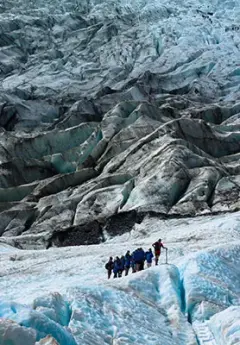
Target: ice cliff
x=111, y=110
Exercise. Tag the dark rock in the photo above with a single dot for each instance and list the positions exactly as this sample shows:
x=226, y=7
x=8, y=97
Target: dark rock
x=86, y=234
x=121, y=223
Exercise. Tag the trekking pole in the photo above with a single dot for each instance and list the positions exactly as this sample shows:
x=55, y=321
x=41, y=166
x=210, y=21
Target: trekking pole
x=166, y=256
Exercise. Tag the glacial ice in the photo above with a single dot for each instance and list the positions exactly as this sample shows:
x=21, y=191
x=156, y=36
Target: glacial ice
x=38, y=322
x=14, y=334
x=190, y=301
x=57, y=305
x=192, y=45
x=226, y=326
x=176, y=148
x=109, y=108
x=211, y=282
x=118, y=313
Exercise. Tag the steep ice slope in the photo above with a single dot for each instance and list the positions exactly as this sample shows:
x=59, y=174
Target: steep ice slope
x=65, y=290
x=145, y=161
x=113, y=109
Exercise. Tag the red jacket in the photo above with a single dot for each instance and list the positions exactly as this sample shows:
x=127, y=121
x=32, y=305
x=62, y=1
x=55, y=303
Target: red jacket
x=157, y=246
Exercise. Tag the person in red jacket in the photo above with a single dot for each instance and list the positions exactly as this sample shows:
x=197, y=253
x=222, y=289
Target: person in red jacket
x=157, y=249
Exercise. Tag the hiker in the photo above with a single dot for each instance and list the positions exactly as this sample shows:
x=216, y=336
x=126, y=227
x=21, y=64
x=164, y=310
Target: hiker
x=142, y=256
x=149, y=257
x=139, y=257
x=133, y=263
x=157, y=250
x=122, y=265
x=127, y=262
x=117, y=266
x=135, y=258
x=109, y=267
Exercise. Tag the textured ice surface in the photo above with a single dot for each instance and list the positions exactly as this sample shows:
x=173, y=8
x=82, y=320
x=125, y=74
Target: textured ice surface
x=65, y=66
x=190, y=43
x=141, y=309
x=145, y=89
x=226, y=326
x=65, y=50
x=39, y=322
x=211, y=282
x=64, y=292
x=14, y=334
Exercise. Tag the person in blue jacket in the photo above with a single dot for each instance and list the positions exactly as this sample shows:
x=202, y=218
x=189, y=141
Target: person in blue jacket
x=133, y=263
x=117, y=266
x=127, y=262
x=139, y=258
x=142, y=256
x=149, y=257
x=122, y=265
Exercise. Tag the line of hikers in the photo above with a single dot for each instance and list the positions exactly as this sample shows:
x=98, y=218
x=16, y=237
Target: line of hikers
x=135, y=261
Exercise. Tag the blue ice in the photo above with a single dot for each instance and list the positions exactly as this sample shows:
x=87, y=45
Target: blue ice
x=211, y=281
x=143, y=309
x=43, y=325
x=226, y=326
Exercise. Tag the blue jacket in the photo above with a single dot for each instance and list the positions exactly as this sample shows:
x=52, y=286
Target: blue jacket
x=122, y=263
x=128, y=260
x=139, y=255
x=132, y=261
x=149, y=256
x=117, y=266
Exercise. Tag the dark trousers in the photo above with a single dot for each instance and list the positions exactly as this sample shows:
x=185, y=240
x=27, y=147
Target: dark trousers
x=157, y=255
x=109, y=274
x=139, y=265
x=126, y=270
x=117, y=274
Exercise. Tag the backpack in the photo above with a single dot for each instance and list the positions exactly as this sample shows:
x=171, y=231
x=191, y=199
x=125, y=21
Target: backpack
x=157, y=246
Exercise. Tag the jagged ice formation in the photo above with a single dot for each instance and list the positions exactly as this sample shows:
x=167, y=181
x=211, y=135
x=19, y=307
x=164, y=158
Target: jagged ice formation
x=115, y=117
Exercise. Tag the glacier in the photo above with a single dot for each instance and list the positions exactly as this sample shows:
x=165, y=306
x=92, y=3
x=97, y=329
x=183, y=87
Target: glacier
x=119, y=124
x=186, y=42
x=112, y=110
x=64, y=294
